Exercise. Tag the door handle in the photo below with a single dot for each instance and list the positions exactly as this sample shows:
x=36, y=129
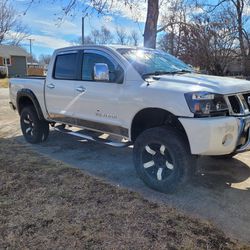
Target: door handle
x=51, y=86
x=80, y=89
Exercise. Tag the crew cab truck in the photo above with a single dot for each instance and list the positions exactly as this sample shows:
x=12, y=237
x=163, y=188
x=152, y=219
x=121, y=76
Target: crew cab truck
x=146, y=98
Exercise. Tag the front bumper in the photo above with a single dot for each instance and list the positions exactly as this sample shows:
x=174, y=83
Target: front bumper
x=217, y=135
x=244, y=135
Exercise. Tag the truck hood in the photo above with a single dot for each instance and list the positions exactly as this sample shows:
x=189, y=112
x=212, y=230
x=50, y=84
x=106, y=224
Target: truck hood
x=195, y=82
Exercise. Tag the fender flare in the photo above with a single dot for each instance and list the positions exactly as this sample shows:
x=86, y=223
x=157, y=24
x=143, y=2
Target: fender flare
x=27, y=93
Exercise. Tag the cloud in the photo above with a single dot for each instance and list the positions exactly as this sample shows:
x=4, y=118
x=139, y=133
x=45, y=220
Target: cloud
x=52, y=28
x=43, y=41
x=49, y=42
x=136, y=11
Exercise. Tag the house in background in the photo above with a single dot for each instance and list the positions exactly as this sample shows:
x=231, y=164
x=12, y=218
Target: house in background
x=15, y=59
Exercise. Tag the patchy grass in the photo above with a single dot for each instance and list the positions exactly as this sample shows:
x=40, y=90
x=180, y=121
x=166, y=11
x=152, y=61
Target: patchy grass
x=46, y=204
x=4, y=83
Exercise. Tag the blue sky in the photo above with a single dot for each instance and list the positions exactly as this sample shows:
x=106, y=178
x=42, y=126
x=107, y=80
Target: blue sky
x=48, y=33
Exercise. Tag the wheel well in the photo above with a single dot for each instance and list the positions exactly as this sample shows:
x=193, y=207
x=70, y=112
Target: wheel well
x=154, y=117
x=26, y=97
x=23, y=102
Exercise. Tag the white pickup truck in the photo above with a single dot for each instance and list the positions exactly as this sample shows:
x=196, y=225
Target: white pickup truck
x=146, y=98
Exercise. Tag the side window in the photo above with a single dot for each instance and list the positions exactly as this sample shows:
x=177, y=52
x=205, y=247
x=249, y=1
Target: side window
x=66, y=66
x=89, y=60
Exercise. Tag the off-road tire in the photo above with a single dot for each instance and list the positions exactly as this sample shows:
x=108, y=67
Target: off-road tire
x=34, y=130
x=180, y=164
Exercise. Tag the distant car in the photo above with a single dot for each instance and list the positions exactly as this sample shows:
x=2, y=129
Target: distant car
x=147, y=98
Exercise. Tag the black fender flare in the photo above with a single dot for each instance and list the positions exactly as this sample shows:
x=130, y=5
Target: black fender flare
x=27, y=93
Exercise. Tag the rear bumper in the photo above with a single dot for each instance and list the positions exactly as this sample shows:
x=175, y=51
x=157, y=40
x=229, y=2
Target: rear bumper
x=217, y=135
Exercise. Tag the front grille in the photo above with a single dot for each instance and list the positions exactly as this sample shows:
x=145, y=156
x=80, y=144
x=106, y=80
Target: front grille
x=246, y=96
x=235, y=104
x=238, y=104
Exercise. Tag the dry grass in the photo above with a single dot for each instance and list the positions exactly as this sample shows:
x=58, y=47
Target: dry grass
x=4, y=83
x=45, y=204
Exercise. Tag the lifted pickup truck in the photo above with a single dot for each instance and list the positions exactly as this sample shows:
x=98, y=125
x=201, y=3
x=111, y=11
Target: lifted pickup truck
x=144, y=97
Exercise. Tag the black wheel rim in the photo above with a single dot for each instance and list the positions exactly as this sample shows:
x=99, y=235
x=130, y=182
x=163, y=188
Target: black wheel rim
x=157, y=162
x=28, y=125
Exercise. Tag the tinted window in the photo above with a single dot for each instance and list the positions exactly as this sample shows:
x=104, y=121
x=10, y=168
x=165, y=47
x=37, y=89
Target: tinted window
x=66, y=66
x=90, y=59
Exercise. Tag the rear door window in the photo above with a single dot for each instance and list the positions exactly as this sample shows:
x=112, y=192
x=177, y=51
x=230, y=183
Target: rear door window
x=66, y=67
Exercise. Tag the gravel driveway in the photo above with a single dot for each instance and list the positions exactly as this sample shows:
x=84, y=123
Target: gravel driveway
x=219, y=193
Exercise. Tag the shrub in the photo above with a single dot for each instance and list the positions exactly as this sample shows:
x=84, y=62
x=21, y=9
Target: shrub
x=3, y=72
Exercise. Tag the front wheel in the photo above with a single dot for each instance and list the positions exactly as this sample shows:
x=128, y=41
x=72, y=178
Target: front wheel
x=162, y=159
x=34, y=130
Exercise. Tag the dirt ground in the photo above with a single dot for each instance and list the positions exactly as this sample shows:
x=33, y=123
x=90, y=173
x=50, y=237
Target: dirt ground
x=4, y=83
x=220, y=193
x=45, y=204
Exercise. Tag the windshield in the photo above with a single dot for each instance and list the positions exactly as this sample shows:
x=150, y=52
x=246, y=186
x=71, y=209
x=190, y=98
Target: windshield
x=154, y=62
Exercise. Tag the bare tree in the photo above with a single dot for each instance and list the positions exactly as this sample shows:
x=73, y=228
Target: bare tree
x=102, y=36
x=106, y=36
x=134, y=38
x=203, y=40
x=237, y=10
x=237, y=13
x=87, y=40
x=11, y=29
x=209, y=44
x=44, y=59
x=122, y=36
x=18, y=34
x=173, y=23
x=97, y=36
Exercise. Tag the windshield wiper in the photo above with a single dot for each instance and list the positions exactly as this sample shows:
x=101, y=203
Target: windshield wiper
x=182, y=71
x=157, y=73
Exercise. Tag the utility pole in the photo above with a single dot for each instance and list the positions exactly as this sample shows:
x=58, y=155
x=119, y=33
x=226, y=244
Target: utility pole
x=83, y=29
x=83, y=20
x=31, y=49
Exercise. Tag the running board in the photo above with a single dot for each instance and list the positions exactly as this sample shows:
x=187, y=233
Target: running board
x=62, y=129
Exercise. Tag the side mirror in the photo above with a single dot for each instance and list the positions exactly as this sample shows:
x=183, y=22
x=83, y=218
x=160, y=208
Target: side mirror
x=101, y=72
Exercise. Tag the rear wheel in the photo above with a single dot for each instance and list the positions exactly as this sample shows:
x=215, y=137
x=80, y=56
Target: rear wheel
x=34, y=130
x=162, y=159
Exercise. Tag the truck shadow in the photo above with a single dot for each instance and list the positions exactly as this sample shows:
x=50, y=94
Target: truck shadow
x=221, y=174
x=220, y=191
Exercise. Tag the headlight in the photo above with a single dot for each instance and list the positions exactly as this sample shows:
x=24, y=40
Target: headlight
x=204, y=104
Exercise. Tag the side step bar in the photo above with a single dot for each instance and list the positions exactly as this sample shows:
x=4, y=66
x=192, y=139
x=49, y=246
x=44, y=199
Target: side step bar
x=118, y=144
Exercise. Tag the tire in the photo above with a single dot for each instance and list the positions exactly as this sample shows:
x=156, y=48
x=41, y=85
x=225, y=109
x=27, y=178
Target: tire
x=162, y=159
x=34, y=130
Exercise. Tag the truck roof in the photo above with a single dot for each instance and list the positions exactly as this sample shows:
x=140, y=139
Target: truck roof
x=94, y=46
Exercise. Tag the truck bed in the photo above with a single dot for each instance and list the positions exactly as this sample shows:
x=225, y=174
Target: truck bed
x=34, y=84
